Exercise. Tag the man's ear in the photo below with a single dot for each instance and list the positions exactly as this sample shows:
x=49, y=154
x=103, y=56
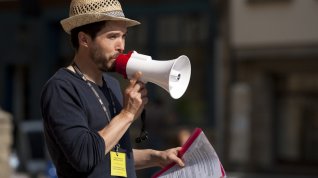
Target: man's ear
x=83, y=39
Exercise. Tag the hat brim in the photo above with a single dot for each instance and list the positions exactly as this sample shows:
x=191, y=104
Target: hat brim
x=83, y=19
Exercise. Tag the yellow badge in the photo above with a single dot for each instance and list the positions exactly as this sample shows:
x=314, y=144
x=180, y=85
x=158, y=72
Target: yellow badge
x=118, y=164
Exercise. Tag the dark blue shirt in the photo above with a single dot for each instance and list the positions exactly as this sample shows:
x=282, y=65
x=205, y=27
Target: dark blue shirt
x=72, y=117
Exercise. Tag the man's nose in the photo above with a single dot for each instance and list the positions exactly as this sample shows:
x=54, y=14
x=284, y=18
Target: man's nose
x=120, y=46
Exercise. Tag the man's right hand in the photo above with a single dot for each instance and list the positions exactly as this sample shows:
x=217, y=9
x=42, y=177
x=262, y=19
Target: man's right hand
x=135, y=96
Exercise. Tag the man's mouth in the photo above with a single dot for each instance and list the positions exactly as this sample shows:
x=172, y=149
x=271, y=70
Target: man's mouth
x=115, y=56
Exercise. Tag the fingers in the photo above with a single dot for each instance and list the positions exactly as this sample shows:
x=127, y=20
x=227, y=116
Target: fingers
x=179, y=161
x=135, y=78
x=137, y=90
x=140, y=87
x=174, y=157
x=135, y=84
x=133, y=81
x=171, y=155
x=135, y=95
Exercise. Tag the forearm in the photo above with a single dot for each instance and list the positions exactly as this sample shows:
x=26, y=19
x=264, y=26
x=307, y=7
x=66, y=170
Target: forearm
x=116, y=129
x=152, y=158
x=145, y=158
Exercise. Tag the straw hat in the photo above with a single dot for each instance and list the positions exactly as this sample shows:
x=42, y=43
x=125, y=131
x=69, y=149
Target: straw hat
x=84, y=12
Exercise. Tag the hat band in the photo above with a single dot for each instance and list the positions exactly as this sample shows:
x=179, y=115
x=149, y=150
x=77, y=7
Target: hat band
x=115, y=13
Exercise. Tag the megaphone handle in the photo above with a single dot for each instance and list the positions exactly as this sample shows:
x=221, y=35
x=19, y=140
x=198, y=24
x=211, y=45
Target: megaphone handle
x=143, y=133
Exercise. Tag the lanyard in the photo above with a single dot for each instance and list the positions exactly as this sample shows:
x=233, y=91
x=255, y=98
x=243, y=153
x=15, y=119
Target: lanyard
x=77, y=70
x=143, y=133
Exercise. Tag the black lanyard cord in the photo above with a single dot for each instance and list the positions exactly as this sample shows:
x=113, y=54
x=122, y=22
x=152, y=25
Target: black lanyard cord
x=78, y=71
x=143, y=133
x=108, y=115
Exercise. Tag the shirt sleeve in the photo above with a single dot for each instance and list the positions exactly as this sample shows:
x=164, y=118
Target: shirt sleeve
x=65, y=120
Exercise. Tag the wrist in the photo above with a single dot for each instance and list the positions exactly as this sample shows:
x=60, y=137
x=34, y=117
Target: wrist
x=127, y=115
x=155, y=157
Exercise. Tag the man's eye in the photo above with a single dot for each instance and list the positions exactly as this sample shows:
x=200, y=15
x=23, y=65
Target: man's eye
x=112, y=37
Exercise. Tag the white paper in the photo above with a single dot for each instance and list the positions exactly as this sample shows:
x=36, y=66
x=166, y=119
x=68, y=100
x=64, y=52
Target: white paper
x=201, y=161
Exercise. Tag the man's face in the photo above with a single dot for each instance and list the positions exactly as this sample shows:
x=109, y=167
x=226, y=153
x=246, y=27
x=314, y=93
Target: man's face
x=108, y=44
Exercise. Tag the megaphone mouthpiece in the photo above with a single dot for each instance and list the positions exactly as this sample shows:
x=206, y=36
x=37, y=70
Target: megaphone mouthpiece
x=121, y=63
x=172, y=75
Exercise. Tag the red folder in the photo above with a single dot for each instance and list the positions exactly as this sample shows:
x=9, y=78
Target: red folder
x=191, y=140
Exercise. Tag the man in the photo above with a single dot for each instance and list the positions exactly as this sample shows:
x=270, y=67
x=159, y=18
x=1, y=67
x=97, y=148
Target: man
x=86, y=118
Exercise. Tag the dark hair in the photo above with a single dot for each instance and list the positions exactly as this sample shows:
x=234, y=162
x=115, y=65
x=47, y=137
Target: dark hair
x=91, y=29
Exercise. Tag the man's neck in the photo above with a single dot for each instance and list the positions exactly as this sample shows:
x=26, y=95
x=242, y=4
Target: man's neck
x=89, y=70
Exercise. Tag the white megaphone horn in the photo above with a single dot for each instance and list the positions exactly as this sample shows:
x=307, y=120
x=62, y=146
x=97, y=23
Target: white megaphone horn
x=172, y=75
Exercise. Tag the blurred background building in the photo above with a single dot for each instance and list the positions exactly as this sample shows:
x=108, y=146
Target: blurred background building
x=253, y=88
x=272, y=84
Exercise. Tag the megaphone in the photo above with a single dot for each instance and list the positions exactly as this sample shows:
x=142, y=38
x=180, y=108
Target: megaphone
x=172, y=75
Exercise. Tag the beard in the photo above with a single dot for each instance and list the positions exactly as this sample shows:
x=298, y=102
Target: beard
x=103, y=62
